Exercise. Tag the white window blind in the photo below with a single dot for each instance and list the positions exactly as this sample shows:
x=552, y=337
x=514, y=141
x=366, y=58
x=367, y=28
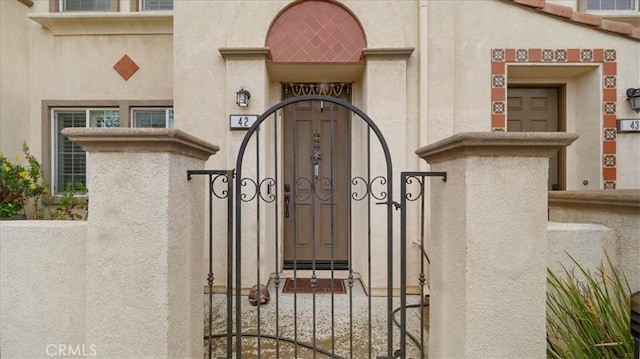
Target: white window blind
x=150, y=5
x=152, y=117
x=70, y=160
x=612, y=5
x=85, y=5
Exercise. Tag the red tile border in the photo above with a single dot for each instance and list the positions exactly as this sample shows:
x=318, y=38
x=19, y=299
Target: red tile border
x=498, y=121
x=498, y=94
x=535, y=55
x=610, y=121
x=573, y=55
x=609, y=147
x=609, y=174
x=606, y=57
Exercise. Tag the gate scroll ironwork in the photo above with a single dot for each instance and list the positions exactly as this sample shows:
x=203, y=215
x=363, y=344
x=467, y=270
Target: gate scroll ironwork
x=258, y=202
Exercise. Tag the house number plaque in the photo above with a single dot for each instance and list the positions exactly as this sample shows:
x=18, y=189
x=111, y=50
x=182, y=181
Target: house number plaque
x=242, y=122
x=629, y=125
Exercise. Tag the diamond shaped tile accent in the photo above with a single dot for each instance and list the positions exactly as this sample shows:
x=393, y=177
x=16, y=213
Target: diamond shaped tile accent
x=126, y=67
x=609, y=184
x=316, y=31
x=498, y=107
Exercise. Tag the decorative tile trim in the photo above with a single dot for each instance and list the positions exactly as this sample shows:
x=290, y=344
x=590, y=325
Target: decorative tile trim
x=586, y=55
x=499, y=81
x=607, y=57
x=522, y=55
x=610, y=82
x=609, y=108
x=610, y=55
x=609, y=134
x=609, y=160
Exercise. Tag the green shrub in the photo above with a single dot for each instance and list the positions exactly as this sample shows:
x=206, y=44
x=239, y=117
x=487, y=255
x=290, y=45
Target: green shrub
x=588, y=313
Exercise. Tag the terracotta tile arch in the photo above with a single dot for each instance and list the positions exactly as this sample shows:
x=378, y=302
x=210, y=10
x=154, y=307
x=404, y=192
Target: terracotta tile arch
x=316, y=31
x=606, y=57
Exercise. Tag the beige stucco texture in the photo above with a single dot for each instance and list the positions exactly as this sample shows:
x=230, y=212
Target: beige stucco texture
x=488, y=244
x=43, y=287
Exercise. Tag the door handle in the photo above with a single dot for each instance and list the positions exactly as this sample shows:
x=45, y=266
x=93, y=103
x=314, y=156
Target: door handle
x=287, y=199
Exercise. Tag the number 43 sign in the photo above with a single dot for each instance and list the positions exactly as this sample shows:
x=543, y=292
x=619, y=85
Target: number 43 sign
x=242, y=122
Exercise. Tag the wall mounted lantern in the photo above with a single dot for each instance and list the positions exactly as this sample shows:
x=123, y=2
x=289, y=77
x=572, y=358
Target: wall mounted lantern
x=242, y=97
x=633, y=96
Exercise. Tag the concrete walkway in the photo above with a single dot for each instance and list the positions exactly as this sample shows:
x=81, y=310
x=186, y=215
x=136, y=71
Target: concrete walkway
x=335, y=321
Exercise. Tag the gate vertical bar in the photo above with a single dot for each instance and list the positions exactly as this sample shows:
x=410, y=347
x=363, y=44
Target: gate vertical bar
x=230, y=266
x=403, y=264
x=277, y=232
x=238, y=266
x=210, y=274
x=313, y=226
x=258, y=198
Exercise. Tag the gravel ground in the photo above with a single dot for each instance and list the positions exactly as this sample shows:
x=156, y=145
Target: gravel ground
x=296, y=319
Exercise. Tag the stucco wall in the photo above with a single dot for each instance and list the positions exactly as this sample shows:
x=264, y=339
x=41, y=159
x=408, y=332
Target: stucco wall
x=618, y=210
x=14, y=82
x=42, y=287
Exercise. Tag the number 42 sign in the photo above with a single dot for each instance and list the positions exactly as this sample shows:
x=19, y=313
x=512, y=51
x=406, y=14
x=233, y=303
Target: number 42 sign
x=242, y=122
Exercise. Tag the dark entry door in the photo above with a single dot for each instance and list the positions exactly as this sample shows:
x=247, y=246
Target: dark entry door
x=536, y=110
x=316, y=187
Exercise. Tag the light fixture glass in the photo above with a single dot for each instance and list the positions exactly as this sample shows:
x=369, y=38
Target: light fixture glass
x=242, y=97
x=633, y=96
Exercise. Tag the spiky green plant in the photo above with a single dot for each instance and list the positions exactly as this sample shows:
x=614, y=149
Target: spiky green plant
x=588, y=313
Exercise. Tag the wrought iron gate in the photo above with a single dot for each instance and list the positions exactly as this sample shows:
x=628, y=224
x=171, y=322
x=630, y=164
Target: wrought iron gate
x=279, y=193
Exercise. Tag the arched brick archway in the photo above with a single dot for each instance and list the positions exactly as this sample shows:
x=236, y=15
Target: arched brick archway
x=316, y=31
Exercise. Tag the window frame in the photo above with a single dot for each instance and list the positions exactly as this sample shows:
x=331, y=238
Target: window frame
x=56, y=6
x=124, y=106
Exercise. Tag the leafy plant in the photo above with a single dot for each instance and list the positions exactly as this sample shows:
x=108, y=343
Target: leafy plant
x=20, y=183
x=70, y=203
x=588, y=313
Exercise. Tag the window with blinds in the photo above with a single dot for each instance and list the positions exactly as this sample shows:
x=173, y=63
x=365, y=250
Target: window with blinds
x=612, y=5
x=152, y=117
x=150, y=5
x=85, y=5
x=70, y=160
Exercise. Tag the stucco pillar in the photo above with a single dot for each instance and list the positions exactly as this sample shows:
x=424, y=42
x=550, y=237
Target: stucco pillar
x=144, y=248
x=488, y=243
x=384, y=94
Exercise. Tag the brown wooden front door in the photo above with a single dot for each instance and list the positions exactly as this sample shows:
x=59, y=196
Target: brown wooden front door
x=536, y=110
x=316, y=187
